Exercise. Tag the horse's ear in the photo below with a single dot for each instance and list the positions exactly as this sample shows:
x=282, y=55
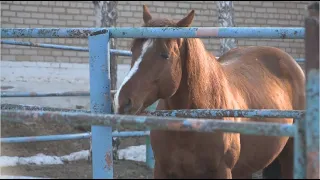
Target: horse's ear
x=186, y=21
x=146, y=14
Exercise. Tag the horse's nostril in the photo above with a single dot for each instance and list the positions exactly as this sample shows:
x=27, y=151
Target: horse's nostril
x=128, y=106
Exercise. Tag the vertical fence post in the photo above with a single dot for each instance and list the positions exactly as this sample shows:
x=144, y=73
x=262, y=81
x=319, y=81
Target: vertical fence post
x=299, y=149
x=100, y=102
x=312, y=90
x=149, y=154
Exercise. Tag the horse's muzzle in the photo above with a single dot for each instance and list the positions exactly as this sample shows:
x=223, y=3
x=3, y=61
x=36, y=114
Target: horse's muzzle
x=129, y=108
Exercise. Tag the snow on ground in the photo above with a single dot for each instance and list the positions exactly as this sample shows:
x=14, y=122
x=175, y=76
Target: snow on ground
x=134, y=153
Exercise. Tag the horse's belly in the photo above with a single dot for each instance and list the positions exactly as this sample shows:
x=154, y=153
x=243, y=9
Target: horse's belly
x=257, y=152
x=191, y=154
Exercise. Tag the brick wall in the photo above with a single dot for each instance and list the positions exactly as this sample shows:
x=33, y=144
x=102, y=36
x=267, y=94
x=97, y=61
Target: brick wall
x=37, y=14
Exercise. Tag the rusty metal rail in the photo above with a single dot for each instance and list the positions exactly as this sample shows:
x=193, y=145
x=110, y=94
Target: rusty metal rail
x=63, y=47
x=76, y=48
x=159, y=32
x=53, y=94
x=312, y=89
x=148, y=122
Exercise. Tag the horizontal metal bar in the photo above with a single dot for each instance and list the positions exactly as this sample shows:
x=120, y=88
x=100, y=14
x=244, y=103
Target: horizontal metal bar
x=209, y=113
x=63, y=47
x=62, y=137
x=49, y=32
x=39, y=94
x=130, y=133
x=300, y=60
x=148, y=122
x=15, y=107
x=209, y=32
x=20, y=177
x=191, y=113
x=159, y=32
x=76, y=48
x=50, y=94
x=45, y=138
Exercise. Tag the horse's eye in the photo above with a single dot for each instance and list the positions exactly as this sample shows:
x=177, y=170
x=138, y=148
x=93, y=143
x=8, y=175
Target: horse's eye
x=164, y=55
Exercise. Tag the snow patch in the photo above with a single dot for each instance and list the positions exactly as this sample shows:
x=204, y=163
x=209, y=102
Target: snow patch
x=84, y=154
x=133, y=153
x=39, y=159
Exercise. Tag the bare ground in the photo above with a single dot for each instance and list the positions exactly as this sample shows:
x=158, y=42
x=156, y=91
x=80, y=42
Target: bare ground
x=123, y=169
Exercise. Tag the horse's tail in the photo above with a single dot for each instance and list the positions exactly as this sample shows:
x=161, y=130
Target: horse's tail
x=281, y=167
x=298, y=88
x=296, y=77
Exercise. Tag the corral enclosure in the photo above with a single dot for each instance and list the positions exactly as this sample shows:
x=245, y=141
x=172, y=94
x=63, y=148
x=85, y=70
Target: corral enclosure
x=49, y=70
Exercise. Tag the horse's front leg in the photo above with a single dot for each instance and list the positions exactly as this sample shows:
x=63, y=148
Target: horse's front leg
x=158, y=172
x=223, y=172
x=230, y=158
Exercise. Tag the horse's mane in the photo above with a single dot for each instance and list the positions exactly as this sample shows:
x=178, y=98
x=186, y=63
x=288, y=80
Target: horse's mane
x=205, y=75
x=204, y=72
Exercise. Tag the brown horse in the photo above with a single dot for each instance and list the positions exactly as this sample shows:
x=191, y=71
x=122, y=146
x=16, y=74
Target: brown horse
x=182, y=74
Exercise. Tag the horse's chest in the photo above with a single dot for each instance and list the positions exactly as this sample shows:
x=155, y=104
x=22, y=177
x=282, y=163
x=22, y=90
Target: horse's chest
x=185, y=150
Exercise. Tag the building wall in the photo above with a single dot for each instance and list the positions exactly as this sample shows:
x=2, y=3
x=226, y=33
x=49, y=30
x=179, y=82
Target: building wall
x=48, y=14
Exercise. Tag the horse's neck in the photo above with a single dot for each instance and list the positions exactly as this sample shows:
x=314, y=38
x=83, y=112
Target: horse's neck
x=203, y=87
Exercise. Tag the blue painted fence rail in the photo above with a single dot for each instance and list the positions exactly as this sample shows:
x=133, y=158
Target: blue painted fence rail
x=41, y=94
x=63, y=47
x=193, y=113
x=148, y=122
x=75, y=48
x=159, y=32
x=62, y=137
x=209, y=113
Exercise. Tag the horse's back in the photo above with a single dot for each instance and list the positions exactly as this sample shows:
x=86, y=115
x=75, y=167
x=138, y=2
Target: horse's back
x=273, y=59
x=262, y=68
x=268, y=78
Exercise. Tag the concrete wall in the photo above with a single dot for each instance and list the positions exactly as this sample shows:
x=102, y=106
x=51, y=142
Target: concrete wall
x=33, y=14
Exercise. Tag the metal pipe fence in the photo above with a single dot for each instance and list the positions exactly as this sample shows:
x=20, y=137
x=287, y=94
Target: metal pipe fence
x=62, y=47
x=159, y=32
x=70, y=137
x=75, y=48
x=101, y=120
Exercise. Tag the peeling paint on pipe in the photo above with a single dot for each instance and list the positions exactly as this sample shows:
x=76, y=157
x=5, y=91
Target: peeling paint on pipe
x=63, y=47
x=159, y=32
x=52, y=94
x=148, y=122
x=209, y=113
x=62, y=137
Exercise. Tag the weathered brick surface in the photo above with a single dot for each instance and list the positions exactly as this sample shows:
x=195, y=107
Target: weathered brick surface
x=38, y=14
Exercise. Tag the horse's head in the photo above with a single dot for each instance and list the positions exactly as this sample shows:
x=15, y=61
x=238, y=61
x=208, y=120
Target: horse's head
x=156, y=68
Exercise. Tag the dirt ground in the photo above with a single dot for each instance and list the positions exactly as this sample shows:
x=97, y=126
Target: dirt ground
x=123, y=169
